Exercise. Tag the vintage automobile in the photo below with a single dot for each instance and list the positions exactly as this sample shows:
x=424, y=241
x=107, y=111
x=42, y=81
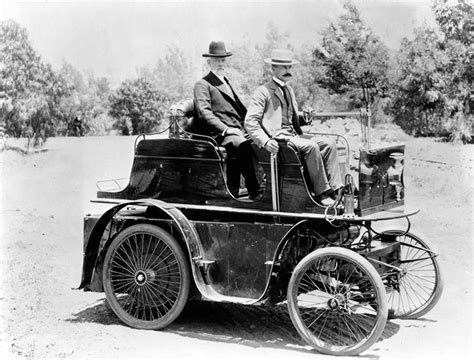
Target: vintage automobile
x=182, y=228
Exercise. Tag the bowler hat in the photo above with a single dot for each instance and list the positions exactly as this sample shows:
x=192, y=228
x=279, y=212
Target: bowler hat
x=217, y=49
x=281, y=57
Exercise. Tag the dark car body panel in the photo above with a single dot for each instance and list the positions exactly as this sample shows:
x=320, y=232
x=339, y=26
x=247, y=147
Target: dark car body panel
x=238, y=249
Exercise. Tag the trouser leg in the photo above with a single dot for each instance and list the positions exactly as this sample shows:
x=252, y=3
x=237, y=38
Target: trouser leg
x=246, y=165
x=313, y=162
x=240, y=147
x=233, y=176
x=328, y=150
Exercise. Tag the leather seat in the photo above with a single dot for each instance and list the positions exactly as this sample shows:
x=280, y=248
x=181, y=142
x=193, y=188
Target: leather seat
x=181, y=118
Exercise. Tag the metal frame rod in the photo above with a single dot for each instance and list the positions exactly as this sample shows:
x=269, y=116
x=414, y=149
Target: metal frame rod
x=274, y=177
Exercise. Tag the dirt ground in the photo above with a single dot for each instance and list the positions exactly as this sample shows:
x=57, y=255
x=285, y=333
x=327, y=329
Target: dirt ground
x=44, y=197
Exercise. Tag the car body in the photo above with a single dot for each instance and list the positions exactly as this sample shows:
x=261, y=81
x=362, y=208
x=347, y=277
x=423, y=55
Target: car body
x=226, y=247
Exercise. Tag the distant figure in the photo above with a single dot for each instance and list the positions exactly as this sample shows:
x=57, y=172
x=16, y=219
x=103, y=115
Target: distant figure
x=3, y=138
x=77, y=129
x=273, y=114
x=219, y=113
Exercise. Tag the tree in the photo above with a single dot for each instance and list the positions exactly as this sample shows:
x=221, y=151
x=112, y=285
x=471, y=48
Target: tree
x=455, y=21
x=434, y=77
x=418, y=96
x=173, y=75
x=351, y=58
x=20, y=65
x=88, y=99
x=98, y=120
x=457, y=24
x=138, y=104
x=247, y=68
x=31, y=88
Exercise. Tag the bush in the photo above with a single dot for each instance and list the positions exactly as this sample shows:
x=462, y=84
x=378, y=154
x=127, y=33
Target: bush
x=461, y=128
x=138, y=105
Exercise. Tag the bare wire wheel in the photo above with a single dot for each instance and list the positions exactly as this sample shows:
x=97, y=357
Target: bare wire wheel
x=146, y=277
x=337, y=301
x=417, y=288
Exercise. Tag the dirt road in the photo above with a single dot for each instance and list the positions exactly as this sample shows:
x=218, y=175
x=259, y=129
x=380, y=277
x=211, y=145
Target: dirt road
x=44, y=198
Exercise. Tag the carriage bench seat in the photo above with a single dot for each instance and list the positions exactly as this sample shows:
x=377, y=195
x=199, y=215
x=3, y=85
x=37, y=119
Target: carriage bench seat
x=181, y=126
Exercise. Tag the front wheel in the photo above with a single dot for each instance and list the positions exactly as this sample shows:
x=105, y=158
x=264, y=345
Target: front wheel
x=146, y=277
x=419, y=285
x=337, y=301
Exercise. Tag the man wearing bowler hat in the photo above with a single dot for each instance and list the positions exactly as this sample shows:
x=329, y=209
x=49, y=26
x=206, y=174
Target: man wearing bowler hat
x=220, y=113
x=273, y=114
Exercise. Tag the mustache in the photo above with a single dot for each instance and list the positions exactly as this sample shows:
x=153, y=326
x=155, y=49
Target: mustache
x=287, y=75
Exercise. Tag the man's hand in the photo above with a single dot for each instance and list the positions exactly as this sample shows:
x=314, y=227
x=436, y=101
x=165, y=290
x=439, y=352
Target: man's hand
x=233, y=131
x=272, y=146
x=308, y=115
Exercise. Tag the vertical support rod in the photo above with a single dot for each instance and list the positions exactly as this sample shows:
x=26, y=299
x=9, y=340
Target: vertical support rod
x=369, y=121
x=275, y=187
x=367, y=117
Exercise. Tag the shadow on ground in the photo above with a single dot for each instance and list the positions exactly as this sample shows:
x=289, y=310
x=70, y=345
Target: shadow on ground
x=253, y=326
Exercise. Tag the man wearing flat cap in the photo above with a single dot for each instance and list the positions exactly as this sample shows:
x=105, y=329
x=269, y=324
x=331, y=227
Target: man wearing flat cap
x=220, y=114
x=273, y=114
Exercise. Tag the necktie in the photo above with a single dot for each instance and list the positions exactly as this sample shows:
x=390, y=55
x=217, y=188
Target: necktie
x=286, y=94
x=289, y=106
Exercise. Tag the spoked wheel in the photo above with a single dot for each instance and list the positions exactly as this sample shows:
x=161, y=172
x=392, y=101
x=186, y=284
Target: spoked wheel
x=337, y=301
x=418, y=287
x=146, y=277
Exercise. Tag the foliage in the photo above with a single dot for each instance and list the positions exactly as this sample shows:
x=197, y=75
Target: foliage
x=37, y=102
x=418, y=94
x=245, y=78
x=32, y=90
x=247, y=68
x=138, y=104
x=351, y=58
x=88, y=100
x=434, y=77
x=428, y=81
x=455, y=20
x=173, y=75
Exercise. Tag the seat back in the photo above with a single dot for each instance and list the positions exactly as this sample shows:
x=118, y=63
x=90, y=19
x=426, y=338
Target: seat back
x=181, y=119
x=187, y=107
x=181, y=127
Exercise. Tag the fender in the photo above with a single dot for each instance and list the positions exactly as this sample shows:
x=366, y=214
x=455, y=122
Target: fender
x=188, y=232
x=275, y=266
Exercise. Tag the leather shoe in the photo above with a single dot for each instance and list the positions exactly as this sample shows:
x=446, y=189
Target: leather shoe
x=325, y=200
x=334, y=194
x=256, y=196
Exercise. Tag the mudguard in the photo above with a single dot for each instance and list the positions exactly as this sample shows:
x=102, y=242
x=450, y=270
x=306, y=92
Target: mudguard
x=92, y=250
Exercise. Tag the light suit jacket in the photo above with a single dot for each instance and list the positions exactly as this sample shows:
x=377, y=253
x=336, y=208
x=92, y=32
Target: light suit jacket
x=216, y=107
x=264, y=114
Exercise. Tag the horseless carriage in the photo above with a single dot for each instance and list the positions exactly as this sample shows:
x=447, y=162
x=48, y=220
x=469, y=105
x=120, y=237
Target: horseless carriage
x=183, y=228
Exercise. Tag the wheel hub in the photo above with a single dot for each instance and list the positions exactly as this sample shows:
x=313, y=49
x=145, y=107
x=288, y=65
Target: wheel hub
x=140, y=278
x=143, y=277
x=336, y=302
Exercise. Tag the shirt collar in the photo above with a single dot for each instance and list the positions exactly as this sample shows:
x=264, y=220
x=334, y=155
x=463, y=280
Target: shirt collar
x=279, y=82
x=221, y=78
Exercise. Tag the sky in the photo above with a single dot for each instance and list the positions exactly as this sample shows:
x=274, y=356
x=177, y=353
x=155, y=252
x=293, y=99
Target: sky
x=114, y=39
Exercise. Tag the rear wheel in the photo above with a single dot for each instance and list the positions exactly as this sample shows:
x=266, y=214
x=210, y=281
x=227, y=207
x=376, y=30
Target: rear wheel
x=337, y=301
x=146, y=277
x=418, y=287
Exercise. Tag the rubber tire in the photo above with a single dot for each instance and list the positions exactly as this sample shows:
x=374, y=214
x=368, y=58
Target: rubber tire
x=361, y=263
x=438, y=287
x=175, y=251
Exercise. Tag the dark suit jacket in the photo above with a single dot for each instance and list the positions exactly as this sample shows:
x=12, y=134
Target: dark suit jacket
x=216, y=108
